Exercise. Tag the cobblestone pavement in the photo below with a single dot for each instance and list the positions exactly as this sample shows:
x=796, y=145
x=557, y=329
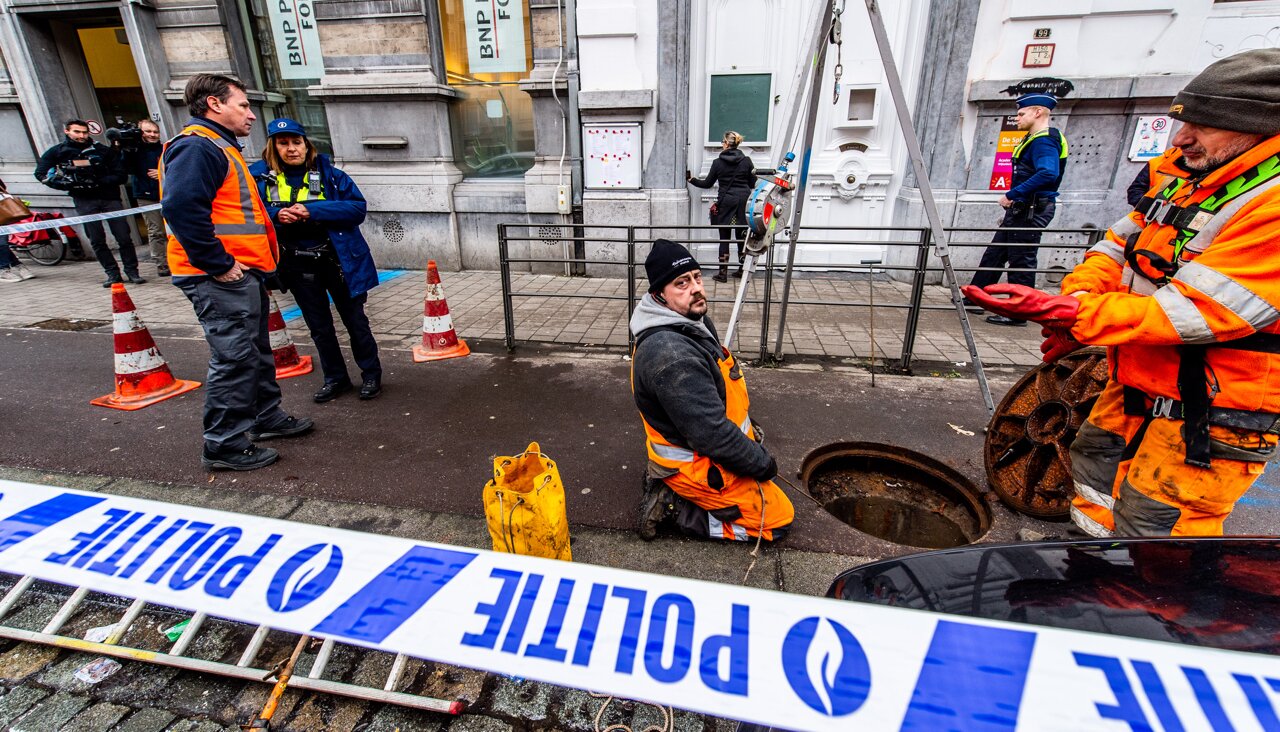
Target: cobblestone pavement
x=40, y=693
x=553, y=308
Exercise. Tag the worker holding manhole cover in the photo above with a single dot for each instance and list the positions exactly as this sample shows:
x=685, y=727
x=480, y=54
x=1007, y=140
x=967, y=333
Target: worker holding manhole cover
x=708, y=469
x=1185, y=292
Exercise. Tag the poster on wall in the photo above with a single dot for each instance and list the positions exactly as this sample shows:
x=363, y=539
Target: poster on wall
x=1006, y=143
x=1150, y=137
x=495, y=36
x=611, y=156
x=293, y=27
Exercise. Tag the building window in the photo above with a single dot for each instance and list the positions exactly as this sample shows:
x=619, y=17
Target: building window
x=298, y=104
x=486, y=53
x=740, y=102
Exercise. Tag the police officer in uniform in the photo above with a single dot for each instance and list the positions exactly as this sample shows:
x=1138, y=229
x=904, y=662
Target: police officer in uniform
x=1039, y=162
x=318, y=210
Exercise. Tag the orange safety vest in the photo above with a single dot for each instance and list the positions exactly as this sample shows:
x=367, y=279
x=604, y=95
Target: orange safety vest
x=240, y=220
x=1223, y=234
x=753, y=498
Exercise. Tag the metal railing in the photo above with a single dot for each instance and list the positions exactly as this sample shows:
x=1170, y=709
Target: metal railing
x=915, y=267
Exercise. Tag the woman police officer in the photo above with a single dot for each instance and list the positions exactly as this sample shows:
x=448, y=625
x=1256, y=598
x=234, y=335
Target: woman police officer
x=317, y=210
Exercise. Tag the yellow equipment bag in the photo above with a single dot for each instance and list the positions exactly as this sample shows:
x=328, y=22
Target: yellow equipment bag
x=524, y=506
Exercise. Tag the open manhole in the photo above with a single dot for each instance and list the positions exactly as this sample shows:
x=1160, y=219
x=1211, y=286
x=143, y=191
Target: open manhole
x=69, y=324
x=896, y=494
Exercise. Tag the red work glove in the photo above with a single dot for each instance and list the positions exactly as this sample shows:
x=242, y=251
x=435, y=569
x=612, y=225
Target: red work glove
x=1026, y=303
x=1057, y=343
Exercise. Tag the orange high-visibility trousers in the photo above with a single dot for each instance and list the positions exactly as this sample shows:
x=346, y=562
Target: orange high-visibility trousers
x=1131, y=482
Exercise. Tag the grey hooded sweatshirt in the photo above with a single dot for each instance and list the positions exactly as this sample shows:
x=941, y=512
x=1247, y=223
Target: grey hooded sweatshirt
x=680, y=391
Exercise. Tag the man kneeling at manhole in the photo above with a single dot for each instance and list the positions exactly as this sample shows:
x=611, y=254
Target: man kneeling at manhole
x=708, y=469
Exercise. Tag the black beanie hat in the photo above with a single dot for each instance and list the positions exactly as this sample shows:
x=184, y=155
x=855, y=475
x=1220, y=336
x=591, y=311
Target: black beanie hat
x=1239, y=93
x=667, y=260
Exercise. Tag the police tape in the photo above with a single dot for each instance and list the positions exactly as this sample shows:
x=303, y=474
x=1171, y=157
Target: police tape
x=56, y=223
x=797, y=662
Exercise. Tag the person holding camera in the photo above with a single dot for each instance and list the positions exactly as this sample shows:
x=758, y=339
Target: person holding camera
x=317, y=210
x=92, y=173
x=142, y=160
x=735, y=173
x=1039, y=163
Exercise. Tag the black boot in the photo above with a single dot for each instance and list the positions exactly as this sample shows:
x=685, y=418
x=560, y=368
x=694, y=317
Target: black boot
x=656, y=505
x=723, y=275
x=742, y=258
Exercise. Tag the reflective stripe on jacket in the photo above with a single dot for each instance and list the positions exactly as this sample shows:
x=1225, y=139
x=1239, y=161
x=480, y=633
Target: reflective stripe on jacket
x=240, y=219
x=1226, y=286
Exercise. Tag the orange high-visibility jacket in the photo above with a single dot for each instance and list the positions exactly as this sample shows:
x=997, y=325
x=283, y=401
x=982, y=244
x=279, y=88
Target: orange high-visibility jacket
x=240, y=220
x=1226, y=286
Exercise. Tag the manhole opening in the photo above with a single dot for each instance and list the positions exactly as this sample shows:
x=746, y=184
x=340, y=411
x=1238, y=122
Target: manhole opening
x=897, y=495
x=66, y=324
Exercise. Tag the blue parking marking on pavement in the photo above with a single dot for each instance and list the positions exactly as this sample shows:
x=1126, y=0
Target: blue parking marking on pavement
x=384, y=275
x=1265, y=493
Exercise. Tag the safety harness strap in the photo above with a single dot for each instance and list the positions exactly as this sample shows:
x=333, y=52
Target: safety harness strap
x=1197, y=394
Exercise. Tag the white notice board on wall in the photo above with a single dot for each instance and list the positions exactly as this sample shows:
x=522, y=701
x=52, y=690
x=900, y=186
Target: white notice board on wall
x=611, y=155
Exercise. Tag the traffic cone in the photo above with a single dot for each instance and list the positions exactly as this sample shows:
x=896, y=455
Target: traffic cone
x=439, y=341
x=288, y=362
x=142, y=376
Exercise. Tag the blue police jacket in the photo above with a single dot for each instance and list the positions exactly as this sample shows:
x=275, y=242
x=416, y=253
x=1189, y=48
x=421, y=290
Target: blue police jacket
x=340, y=213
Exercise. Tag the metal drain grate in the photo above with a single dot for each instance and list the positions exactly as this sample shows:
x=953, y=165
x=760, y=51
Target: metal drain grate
x=393, y=231
x=550, y=234
x=71, y=325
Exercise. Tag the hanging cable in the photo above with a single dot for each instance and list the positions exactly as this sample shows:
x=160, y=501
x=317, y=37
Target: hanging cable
x=837, y=40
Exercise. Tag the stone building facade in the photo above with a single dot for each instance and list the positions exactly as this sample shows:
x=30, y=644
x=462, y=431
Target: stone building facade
x=587, y=113
x=443, y=153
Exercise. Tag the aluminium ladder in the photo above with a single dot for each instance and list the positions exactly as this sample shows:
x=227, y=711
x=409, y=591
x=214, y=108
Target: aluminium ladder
x=176, y=655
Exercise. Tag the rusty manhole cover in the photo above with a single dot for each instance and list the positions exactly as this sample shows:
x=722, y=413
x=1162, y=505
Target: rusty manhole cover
x=1027, y=448
x=69, y=324
x=897, y=495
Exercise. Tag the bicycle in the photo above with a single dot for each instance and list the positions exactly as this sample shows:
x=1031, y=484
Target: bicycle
x=46, y=247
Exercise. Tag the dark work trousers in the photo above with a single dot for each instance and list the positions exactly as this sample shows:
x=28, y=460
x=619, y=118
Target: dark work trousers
x=734, y=213
x=241, y=392
x=313, y=281
x=1003, y=252
x=98, y=237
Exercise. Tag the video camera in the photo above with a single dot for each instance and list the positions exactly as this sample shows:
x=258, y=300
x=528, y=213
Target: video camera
x=76, y=175
x=125, y=135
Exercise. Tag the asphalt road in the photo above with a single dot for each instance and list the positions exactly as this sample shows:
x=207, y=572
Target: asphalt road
x=429, y=440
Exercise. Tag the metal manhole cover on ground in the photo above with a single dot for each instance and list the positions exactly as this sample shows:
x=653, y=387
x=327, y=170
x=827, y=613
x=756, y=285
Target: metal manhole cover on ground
x=69, y=324
x=1027, y=446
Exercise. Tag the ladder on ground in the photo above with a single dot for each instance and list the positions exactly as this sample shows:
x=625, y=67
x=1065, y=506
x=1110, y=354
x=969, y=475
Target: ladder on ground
x=177, y=654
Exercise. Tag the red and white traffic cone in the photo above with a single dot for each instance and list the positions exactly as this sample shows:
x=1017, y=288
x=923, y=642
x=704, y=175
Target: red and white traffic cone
x=288, y=361
x=439, y=341
x=142, y=375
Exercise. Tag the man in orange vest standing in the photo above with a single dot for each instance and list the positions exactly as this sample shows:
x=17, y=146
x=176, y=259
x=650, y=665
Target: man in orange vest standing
x=1185, y=293
x=707, y=467
x=221, y=251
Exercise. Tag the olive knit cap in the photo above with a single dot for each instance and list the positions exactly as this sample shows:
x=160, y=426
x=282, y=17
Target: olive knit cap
x=1239, y=93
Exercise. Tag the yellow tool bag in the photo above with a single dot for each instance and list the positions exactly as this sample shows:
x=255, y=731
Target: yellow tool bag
x=524, y=506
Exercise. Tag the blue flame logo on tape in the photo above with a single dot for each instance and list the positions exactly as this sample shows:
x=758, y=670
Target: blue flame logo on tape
x=292, y=589
x=843, y=682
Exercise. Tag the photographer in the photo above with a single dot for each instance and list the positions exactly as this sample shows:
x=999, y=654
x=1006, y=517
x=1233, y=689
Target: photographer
x=142, y=148
x=92, y=173
x=1039, y=163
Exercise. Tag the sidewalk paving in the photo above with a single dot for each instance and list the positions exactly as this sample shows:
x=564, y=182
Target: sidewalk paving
x=72, y=290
